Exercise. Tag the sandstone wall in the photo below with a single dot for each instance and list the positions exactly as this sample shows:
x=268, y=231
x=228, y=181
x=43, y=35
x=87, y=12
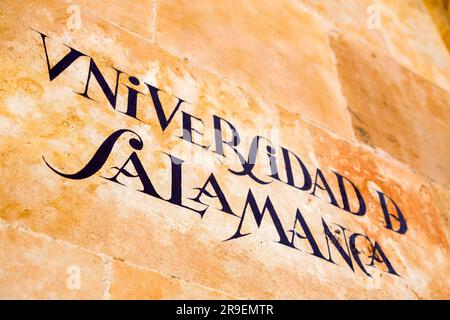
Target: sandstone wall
x=355, y=87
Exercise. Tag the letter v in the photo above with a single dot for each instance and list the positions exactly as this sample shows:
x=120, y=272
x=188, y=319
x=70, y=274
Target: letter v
x=163, y=121
x=62, y=64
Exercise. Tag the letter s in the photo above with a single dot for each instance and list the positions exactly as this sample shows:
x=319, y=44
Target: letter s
x=100, y=157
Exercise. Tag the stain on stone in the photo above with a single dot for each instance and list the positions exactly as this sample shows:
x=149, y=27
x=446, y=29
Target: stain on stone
x=362, y=134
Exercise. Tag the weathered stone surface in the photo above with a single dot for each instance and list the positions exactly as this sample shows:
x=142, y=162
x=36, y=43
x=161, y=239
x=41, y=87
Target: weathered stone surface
x=33, y=267
x=130, y=282
x=358, y=18
x=274, y=49
x=413, y=194
x=136, y=16
x=441, y=17
x=441, y=196
x=395, y=110
x=42, y=118
x=414, y=40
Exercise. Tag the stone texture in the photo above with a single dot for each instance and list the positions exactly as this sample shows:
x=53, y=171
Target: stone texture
x=414, y=40
x=394, y=109
x=33, y=267
x=406, y=31
x=42, y=118
x=413, y=194
x=351, y=17
x=276, y=50
x=441, y=196
x=135, y=16
x=131, y=282
x=441, y=17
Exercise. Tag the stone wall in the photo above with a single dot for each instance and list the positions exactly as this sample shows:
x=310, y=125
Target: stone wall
x=358, y=91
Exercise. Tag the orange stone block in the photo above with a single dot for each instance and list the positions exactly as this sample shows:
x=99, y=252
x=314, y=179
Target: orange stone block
x=35, y=267
x=414, y=40
x=136, y=16
x=275, y=50
x=357, y=18
x=142, y=207
x=395, y=110
x=131, y=282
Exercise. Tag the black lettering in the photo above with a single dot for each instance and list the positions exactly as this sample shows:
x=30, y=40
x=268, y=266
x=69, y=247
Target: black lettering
x=402, y=228
x=218, y=193
x=258, y=215
x=100, y=156
x=326, y=187
x=163, y=120
x=62, y=64
x=346, y=205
